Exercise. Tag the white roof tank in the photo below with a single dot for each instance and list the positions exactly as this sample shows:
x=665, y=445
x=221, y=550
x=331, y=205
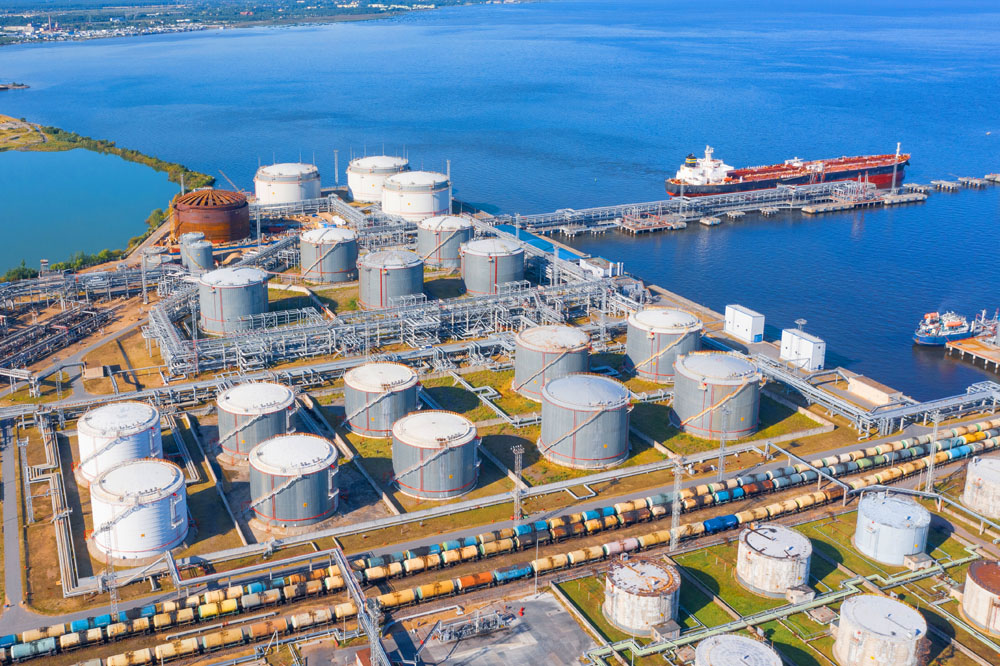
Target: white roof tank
x=286, y=183
x=416, y=195
x=113, y=433
x=365, y=175
x=875, y=629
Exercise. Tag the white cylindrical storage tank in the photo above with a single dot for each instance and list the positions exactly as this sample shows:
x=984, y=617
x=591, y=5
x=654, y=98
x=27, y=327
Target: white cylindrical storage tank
x=386, y=276
x=878, y=630
x=376, y=395
x=113, y=433
x=439, y=239
x=435, y=455
x=640, y=594
x=366, y=175
x=890, y=527
x=190, y=237
x=772, y=558
x=416, y=195
x=293, y=480
x=228, y=294
x=545, y=353
x=656, y=337
x=328, y=255
x=286, y=183
x=251, y=413
x=585, y=421
x=734, y=650
x=982, y=487
x=197, y=257
x=139, y=509
x=716, y=395
x=981, y=597
x=488, y=263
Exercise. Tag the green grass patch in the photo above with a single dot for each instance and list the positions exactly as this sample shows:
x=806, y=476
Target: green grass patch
x=454, y=398
x=715, y=567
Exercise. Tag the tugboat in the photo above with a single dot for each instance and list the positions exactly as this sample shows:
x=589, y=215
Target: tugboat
x=937, y=329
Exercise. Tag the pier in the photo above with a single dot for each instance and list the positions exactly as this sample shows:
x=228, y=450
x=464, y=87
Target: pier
x=977, y=349
x=946, y=185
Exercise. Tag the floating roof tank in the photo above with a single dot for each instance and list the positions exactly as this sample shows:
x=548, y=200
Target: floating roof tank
x=733, y=650
x=376, y=395
x=139, y=509
x=329, y=255
x=435, y=455
x=488, y=263
x=585, y=421
x=388, y=275
x=366, y=175
x=439, y=239
x=416, y=195
x=116, y=432
x=293, y=480
x=716, y=395
x=544, y=353
x=227, y=294
x=656, y=337
x=773, y=558
x=890, y=527
x=981, y=597
x=286, y=183
x=196, y=256
x=640, y=594
x=250, y=414
x=221, y=215
x=875, y=629
x=982, y=487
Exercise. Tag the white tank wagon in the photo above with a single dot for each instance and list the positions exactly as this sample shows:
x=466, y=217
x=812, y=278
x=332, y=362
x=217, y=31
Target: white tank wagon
x=227, y=294
x=328, y=255
x=435, y=455
x=771, y=559
x=286, y=183
x=878, y=630
x=982, y=487
x=416, y=195
x=981, y=597
x=640, y=594
x=488, y=263
x=388, y=275
x=250, y=414
x=139, y=509
x=890, y=527
x=733, y=650
x=716, y=395
x=366, y=175
x=439, y=239
x=376, y=395
x=656, y=337
x=585, y=421
x=293, y=481
x=197, y=256
x=113, y=433
x=545, y=353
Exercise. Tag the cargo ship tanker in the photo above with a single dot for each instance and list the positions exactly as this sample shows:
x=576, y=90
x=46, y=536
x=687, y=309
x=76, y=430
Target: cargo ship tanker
x=699, y=176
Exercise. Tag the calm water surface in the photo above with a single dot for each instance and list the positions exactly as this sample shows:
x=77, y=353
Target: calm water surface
x=581, y=103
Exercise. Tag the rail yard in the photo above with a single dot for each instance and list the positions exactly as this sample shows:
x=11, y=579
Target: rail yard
x=374, y=425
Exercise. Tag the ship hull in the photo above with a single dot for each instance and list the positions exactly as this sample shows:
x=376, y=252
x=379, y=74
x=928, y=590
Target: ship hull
x=939, y=340
x=880, y=177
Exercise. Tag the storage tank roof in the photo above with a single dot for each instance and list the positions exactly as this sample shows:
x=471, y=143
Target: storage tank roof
x=777, y=541
x=286, y=170
x=416, y=180
x=665, y=320
x=211, y=198
x=119, y=418
x=391, y=259
x=733, y=650
x=233, y=277
x=582, y=390
x=190, y=237
x=256, y=398
x=986, y=574
x=380, y=377
x=199, y=245
x=986, y=468
x=290, y=455
x=379, y=164
x=445, y=223
x=644, y=578
x=893, y=510
x=553, y=338
x=329, y=235
x=492, y=247
x=147, y=478
x=717, y=367
x=885, y=617
x=434, y=429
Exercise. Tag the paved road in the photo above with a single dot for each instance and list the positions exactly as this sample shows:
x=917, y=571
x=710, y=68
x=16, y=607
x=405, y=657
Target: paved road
x=14, y=590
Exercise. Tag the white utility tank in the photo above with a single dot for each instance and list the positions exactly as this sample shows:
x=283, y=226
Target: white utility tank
x=113, y=433
x=734, y=650
x=640, y=594
x=879, y=631
x=365, y=176
x=982, y=487
x=416, y=195
x=890, y=527
x=981, y=596
x=771, y=559
x=286, y=183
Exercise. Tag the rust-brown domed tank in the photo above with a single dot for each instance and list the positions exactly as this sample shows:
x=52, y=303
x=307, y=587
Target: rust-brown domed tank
x=221, y=215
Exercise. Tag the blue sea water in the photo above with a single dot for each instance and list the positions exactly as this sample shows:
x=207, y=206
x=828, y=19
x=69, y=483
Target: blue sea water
x=586, y=102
